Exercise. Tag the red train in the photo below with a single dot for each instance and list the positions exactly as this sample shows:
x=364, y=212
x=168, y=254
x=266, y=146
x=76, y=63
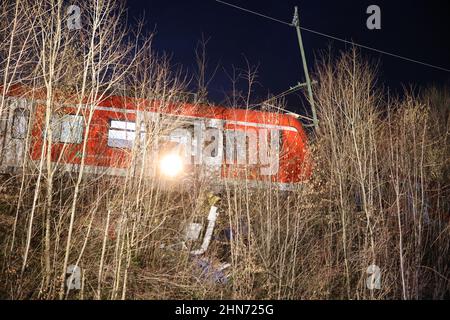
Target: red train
x=175, y=142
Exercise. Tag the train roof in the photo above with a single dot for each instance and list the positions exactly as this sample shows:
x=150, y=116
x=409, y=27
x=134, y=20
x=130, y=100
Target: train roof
x=172, y=107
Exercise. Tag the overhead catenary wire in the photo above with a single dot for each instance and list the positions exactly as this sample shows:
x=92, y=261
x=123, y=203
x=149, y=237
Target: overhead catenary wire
x=256, y=13
x=280, y=95
x=285, y=93
x=337, y=38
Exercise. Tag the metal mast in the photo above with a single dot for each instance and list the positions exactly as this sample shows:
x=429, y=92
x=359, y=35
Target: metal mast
x=296, y=24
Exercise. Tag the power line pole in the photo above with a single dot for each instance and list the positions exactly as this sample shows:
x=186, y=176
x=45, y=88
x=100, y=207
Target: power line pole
x=296, y=24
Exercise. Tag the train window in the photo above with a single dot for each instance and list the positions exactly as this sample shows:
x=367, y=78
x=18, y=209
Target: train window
x=121, y=134
x=71, y=130
x=20, y=123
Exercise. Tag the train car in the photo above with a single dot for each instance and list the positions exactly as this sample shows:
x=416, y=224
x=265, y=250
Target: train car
x=177, y=143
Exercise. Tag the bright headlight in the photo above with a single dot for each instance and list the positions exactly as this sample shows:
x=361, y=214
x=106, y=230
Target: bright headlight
x=171, y=165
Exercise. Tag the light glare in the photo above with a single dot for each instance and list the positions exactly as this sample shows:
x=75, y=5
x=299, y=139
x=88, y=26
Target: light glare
x=171, y=165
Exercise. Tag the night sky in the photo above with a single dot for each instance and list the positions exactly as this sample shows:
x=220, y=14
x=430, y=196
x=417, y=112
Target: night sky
x=417, y=29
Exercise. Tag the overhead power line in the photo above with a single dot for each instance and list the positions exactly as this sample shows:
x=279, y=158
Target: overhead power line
x=257, y=13
x=336, y=38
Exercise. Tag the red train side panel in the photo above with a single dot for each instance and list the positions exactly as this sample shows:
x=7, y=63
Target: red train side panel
x=249, y=145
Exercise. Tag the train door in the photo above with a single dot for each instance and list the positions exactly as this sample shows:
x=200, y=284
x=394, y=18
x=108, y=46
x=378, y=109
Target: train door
x=199, y=141
x=174, y=152
x=14, y=131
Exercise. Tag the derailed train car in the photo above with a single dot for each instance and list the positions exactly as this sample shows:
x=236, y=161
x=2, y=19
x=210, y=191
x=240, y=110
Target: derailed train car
x=176, y=143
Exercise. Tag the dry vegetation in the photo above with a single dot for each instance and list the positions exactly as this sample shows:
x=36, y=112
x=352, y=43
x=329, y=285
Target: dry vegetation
x=379, y=192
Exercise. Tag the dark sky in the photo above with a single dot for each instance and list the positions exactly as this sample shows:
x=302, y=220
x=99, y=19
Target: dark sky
x=417, y=29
